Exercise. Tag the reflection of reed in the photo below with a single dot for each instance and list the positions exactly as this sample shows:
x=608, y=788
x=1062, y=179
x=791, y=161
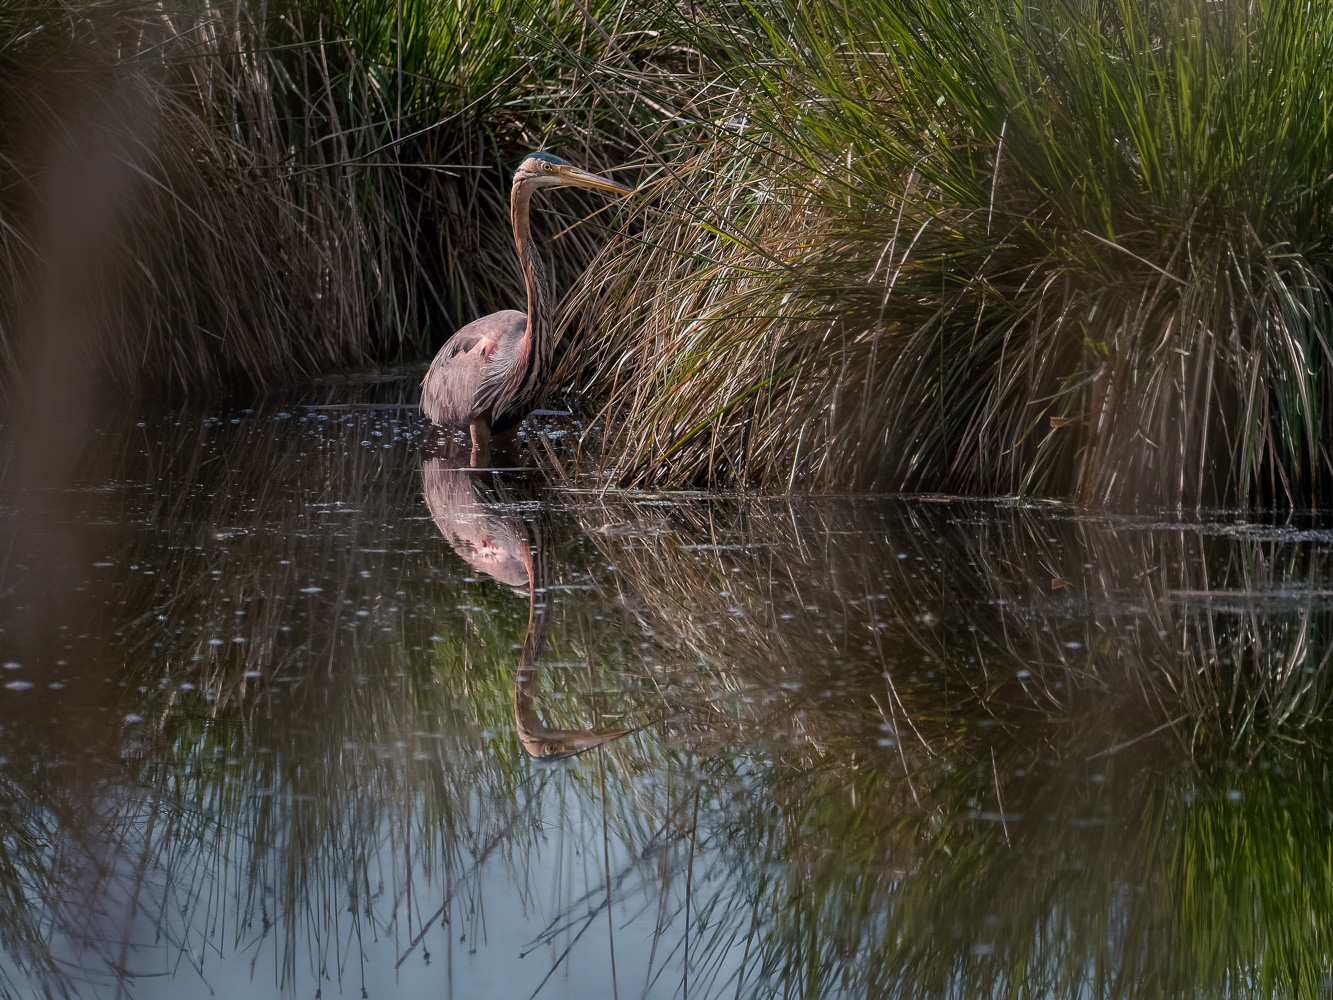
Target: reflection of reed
x=1193, y=632
x=845, y=832
x=1040, y=691
x=227, y=752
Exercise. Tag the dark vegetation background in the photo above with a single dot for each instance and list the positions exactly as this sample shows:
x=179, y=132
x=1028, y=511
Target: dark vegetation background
x=274, y=189
x=1074, y=249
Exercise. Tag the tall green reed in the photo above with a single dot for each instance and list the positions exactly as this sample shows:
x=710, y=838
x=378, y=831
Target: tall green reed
x=1077, y=249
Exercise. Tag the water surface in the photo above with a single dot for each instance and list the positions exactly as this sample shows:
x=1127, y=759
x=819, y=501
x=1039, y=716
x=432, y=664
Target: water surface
x=293, y=703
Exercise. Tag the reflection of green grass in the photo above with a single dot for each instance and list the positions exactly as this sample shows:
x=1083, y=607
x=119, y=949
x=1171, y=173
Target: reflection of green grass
x=1145, y=879
x=950, y=829
x=1254, y=877
x=1181, y=892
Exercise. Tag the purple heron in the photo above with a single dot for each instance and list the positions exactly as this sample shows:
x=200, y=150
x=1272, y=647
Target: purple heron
x=488, y=376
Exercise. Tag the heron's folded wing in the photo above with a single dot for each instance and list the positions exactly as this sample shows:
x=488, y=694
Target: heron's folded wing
x=449, y=390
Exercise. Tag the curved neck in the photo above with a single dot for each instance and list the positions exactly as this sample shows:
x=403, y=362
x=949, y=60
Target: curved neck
x=537, y=739
x=531, y=730
x=534, y=277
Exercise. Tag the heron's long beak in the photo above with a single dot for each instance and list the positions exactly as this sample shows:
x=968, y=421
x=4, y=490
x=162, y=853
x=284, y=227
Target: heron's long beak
x=574, y=177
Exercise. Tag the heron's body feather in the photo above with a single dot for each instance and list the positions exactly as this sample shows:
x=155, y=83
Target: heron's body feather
x=482, y=352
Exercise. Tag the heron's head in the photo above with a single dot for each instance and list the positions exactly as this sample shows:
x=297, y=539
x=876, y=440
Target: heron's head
x=546, y=170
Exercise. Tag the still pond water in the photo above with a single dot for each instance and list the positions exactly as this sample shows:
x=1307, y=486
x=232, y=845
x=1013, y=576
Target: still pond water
x=293, y=704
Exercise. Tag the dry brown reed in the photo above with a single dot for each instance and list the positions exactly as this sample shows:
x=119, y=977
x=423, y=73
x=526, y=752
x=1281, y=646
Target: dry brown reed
x=283, y=209
x=712, y=367
x=217, y=258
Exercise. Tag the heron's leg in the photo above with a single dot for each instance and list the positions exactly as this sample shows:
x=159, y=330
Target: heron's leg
x=481, y=444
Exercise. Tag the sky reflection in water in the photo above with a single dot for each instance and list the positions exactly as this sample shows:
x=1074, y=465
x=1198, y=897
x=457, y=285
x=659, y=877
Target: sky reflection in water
x=274, y=721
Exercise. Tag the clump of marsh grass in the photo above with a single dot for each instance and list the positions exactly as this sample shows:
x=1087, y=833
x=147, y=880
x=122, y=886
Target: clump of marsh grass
x=1078, y=249
x=199, y=196
x=195, y=253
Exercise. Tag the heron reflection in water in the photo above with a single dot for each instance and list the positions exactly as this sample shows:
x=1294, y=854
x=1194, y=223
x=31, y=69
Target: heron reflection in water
x=507, y=549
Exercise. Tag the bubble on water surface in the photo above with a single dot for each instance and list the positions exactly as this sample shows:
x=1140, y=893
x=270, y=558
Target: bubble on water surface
x=19, y=685
x=134, y=717
x=312, y=590
x=12, y=665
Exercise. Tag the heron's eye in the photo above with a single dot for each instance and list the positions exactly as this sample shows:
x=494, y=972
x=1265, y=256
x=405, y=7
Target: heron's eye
x=546, y=166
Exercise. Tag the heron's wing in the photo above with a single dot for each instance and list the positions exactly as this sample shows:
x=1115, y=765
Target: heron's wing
x=449, y=389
